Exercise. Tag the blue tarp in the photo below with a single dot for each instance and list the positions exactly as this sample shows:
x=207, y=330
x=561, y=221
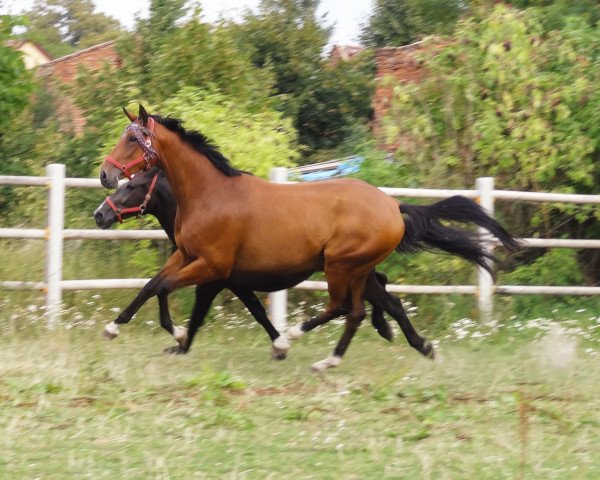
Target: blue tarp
x=349, y=166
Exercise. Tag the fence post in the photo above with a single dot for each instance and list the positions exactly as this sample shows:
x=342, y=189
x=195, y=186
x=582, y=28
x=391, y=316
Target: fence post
x=485, y=187
x=278, y=300
x=54, y=237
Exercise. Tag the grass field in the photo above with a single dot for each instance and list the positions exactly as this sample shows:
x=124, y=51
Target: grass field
x=521, y=402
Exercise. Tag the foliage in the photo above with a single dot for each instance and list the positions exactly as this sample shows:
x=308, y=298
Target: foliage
x=262, y=140
x=336, y=101
x=137, y=50
x=554, y=13
x=509, y=99
x=288, y=37
x=557, y=267
x=15, y=81
x=16, y=87
x=219, y=63
x=504, y=97
x=64, y=26
x=400, y=22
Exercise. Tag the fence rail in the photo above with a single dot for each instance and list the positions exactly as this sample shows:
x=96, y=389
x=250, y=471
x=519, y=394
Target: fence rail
x=55, y=234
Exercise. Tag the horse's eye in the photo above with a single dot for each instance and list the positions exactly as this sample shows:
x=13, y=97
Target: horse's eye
x=131, y=138
x=128, y=186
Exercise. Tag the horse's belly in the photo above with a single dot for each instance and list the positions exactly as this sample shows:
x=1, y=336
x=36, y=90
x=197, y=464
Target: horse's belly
x=278, y=263
x=264, y=282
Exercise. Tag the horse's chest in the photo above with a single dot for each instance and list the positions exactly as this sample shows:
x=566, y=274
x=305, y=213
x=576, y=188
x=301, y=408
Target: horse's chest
x=185, y=245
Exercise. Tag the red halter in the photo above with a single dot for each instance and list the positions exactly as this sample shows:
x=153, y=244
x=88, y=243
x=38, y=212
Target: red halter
x=141, y=209
x=144, y=137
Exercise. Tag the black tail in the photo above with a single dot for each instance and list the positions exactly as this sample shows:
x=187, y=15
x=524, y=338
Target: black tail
x=425, y=232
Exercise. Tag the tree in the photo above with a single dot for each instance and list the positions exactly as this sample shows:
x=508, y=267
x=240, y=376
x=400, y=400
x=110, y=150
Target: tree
x=288, y=38
x=262, y=140
x=554, y=13
x=64, y=26
x=218, y=62
x=507, y=98
x=150, y=34
x=400, y=22
x=503, y=96
x=15, y=81
x=336, y=100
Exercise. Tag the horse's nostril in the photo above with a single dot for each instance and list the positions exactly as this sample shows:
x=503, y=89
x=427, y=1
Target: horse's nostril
x=102, y=175
x=98, y=216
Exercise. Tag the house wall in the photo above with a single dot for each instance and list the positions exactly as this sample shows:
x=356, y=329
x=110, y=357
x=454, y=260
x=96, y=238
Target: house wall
x=393, y=64
x=32, y=56
x=65, y=70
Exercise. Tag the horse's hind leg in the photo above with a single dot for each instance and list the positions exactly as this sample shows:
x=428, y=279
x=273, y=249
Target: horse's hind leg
x=337, y=294
x=377, y=319
x=376, y=294
x=353, y=320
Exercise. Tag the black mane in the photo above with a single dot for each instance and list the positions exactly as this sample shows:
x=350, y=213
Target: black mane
x=200, y=143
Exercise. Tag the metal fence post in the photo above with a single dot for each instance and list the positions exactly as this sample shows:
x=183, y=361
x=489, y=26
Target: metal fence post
x=485, y=187
x=54, y=237
x=278, y=300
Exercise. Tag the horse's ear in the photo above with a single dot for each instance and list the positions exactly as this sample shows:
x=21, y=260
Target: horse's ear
x=129, y=115
x=143, y=115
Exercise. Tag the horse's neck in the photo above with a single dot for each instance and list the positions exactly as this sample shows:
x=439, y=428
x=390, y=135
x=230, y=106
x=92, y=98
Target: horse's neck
x=190, y=175
x=166, y=209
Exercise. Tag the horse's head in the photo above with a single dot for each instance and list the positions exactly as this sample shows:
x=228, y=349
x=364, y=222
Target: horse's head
x=131, y=199
x=134, y=151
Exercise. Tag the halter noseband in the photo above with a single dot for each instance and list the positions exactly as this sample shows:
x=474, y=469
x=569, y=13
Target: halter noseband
x=140, y=209
x=144, y=137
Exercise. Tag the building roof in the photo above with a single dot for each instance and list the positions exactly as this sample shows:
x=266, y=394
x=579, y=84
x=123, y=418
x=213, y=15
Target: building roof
x=340, y=53
x=80, y=53
x=93, y=58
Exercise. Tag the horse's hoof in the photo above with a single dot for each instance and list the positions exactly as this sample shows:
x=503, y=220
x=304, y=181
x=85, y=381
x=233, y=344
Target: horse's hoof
x=281, y=342
x=329, y=362
x=175, y=350
x=385, y=332
x=428, y=350
x=180, y=334
x=294, y=332
x=278, y=354
x=111, y=331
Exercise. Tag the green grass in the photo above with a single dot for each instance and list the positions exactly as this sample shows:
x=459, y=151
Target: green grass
x=512, y=404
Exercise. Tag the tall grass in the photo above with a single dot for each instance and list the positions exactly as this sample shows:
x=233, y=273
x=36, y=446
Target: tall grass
x=493, y=405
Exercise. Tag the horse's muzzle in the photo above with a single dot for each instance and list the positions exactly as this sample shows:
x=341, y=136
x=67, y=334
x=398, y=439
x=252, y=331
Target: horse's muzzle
x=104, y=221
x=108, y=182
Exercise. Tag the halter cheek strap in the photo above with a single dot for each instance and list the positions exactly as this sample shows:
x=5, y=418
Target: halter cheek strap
x=140, y=209
x=144, y=137
x=125, y=168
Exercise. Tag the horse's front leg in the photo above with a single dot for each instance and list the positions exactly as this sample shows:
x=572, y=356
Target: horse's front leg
x=179, y=333
x=205, y=294
x=152, y=288
x=280, y=342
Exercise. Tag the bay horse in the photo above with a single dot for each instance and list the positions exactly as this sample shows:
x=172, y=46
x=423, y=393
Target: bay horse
x=149, y=192
x=241, y=227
